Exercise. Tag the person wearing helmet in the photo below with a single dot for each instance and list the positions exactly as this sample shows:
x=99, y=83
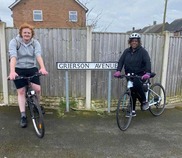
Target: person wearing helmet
x=135, y=59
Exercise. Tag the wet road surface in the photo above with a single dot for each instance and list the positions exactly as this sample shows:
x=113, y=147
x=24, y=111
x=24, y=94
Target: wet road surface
x=92, y=135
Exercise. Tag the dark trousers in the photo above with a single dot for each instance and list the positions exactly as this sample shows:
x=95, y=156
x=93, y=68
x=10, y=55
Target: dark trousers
x=137, y=92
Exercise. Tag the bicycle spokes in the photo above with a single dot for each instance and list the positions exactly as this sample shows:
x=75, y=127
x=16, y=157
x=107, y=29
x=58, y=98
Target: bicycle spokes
x=124, y=111
x=37, y=117
x=157, y=99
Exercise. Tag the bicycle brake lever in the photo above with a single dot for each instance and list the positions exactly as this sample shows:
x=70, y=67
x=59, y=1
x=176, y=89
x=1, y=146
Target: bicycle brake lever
x=18, y=77
x=38, y=74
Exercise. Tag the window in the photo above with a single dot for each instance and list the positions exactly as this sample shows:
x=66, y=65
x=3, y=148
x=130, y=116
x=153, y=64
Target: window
x=73, y=16
x=37, y=15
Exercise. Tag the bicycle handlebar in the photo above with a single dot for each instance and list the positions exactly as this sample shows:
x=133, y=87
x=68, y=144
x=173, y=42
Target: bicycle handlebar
x=130, y=76
x=27, y=78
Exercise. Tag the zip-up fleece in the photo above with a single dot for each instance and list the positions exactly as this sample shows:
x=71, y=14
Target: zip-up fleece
x=26, y=54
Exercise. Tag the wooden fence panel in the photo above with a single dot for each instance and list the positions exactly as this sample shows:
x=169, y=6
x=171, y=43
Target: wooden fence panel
x=174, y=73
x=59, y=45
x=1, y=85
x=109, y=47
x=69, y=45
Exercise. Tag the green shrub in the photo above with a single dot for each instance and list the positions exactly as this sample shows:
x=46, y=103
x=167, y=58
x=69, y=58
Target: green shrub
x=62, y=106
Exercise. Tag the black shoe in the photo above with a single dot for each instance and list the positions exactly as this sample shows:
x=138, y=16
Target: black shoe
x=145, y=106
x=133, y=114
x=23, y=122
x=43, y=110
x=128, y=114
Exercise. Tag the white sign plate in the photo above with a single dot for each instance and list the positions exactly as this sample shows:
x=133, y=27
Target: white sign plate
x=86, y=66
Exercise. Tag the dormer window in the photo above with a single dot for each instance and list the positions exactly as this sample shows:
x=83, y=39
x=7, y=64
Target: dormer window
x=37, y=15
x=73, y=16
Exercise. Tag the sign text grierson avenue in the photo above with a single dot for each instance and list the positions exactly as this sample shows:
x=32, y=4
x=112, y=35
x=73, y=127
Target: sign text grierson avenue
x=86, y=65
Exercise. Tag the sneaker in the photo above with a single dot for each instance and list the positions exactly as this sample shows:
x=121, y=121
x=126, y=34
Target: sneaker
x=23, y=122
x=133, y=114
x=145, y=106
x=127, y=114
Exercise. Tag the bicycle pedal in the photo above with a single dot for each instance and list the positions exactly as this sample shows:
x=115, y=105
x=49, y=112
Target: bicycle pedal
x=43, y=110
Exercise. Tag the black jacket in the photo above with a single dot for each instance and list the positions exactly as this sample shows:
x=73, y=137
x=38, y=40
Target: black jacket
x=137, y=62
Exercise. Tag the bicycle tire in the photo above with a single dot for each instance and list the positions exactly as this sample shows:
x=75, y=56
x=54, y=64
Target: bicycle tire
x=159, y=102
x=125, y=106
x=37, y=118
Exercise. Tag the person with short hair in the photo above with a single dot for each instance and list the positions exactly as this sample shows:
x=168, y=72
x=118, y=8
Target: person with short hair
x=24, y=53
x=136, y=60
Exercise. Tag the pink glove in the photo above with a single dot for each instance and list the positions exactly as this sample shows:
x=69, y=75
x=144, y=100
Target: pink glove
x=146, y=76
x=117, y=74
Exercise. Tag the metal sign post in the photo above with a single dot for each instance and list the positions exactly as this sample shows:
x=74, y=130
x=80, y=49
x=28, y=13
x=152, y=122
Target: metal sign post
x=67, y=90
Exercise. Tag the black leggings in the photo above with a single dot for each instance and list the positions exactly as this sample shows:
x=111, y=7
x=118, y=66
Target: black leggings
x=137, y=92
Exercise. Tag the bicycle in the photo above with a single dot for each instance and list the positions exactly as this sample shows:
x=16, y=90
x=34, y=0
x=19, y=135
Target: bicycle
x=34, y=106
x=155, y=95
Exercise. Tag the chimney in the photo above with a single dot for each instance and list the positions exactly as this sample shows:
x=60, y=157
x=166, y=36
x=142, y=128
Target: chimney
x=154, y=22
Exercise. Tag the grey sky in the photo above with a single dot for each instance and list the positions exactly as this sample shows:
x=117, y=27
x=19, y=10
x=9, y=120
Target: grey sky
x=118, y=15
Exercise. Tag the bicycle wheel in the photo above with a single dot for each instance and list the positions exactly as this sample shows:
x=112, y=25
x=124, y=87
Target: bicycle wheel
x=157, y=99
x=124, y=111
x=37, y=118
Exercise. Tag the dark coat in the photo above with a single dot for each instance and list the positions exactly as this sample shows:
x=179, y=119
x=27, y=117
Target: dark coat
x=137, y=62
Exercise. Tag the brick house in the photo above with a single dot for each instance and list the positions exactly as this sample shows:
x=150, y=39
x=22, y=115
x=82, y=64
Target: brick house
x=49, y=13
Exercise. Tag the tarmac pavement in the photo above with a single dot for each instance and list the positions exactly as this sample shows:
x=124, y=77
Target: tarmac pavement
x=92, y=135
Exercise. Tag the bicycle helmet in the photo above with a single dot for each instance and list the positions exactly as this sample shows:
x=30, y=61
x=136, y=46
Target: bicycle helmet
x=135, y=35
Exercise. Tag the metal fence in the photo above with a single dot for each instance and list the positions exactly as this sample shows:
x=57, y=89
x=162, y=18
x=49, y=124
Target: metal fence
x=70, y=45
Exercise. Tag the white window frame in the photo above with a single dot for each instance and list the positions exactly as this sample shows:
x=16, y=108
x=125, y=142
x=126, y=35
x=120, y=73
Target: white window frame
x=39, y=13
x=73, y=16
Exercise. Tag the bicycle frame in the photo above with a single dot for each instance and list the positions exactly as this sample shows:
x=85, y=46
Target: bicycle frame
x=34, y=106
x=154, y=93
x=152, y=101
x=29, y=91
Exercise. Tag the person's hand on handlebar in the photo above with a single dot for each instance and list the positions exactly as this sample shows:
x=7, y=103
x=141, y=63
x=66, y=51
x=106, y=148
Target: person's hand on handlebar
x=43, y=71
x=117, y=74
x=12, y=75
x=146, y=76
